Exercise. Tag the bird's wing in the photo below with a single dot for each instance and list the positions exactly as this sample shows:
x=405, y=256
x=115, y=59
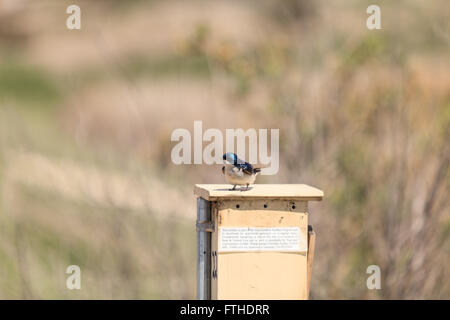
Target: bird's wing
x=246, y=167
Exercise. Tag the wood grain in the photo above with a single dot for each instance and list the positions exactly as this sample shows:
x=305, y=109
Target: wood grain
x=214, y=192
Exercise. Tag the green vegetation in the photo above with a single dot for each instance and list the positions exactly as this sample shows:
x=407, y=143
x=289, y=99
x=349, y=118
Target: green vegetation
x=86, y=118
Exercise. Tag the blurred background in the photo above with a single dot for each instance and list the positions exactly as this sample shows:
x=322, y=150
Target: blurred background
x=86, y=117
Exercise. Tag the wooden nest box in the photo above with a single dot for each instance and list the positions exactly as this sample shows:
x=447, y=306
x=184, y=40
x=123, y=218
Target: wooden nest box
x=256, y=243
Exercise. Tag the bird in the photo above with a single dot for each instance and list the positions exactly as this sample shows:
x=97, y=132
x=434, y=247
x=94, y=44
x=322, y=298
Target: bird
x=238, y=172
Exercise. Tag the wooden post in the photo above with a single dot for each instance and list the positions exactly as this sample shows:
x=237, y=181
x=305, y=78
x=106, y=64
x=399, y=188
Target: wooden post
x=259, y=243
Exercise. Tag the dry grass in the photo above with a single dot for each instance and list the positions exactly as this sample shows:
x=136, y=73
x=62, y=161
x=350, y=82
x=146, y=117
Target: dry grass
x=86, y=118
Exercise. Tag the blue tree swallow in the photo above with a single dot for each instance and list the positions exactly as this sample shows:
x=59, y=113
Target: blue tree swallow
x=238, y=172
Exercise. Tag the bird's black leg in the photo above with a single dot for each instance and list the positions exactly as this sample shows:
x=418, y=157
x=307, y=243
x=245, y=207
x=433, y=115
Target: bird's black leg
x=247, y=187
x=234, y=187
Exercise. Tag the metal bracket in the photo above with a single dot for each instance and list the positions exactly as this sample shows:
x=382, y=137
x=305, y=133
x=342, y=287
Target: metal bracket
x=204, y=226
x=214, y=269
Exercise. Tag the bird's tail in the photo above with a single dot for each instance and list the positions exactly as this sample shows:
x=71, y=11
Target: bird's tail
x=260, y=166
x=257, y=167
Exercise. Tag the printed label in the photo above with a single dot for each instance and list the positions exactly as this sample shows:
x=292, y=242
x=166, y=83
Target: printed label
x=262, y=239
